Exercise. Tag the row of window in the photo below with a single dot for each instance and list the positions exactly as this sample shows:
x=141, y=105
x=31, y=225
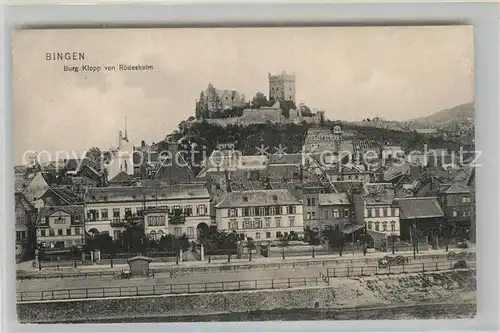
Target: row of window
x=259, y=223
x=59, y=232
x=463, y=213
x=382, y=212
x=384, y=226
x=103, y=214
x=156, y=221
x=177, y=232
x=263, y=211
x=335, y=213
x=20, y=236
x=466, y=200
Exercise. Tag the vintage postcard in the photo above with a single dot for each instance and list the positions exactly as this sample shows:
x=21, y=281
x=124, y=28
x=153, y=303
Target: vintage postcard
x=216, y=174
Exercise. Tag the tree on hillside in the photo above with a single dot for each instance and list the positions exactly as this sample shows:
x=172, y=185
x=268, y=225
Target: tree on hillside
x=259, y=100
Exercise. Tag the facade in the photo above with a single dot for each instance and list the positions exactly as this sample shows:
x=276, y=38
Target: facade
x=156, y=223
x=188, y=207
x=335, y=210
x=60, y=227
x=422, y=215
x=376, y=209
x=282, y=87
x=456, y=201
x=26, y=215
x=263, y=215
x=310, y=195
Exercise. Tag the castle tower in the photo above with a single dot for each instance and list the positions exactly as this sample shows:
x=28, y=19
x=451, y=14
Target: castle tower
x=282, y=87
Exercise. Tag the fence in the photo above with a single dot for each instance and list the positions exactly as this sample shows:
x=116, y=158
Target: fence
x=83, y=293
x=395, y=269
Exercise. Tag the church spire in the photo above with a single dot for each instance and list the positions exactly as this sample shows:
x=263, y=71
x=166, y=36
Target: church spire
x=126, y=135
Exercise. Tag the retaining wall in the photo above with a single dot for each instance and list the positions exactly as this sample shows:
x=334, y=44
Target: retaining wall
x=453, y=286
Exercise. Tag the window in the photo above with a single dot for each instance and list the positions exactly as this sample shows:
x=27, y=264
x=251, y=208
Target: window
x=311, y=201
x=308, y=216
x=42, y=233
x=116, y=213
x=385, y=209
x=257, y=235
x=140, y=212
x=373, y=212
x=246, y=224
x=233, y=225
x=59, y=232
x=278, y=234
x=188, y=210
x=104, y=214
x=190, y=232
x=68, y=232
x=257, y=224
x=336, y=213
x=278, y=222
x=370, y=225
x=292, y=221
x=252, y=211
x=313, y=215
x=268, y=235
x=233, y=212
x=384, y=226
x=278, y=210
x=465, y=199
x=246, y=212
x=291, y=209
x=51, y=232
x=393, y=226
x=377, y=226
x=178, y=231
x=268, y=222
x=128, y=212
x=92, y=215
x=201, y=210
x=262, y=211
x=77, y=231
x=346, y=213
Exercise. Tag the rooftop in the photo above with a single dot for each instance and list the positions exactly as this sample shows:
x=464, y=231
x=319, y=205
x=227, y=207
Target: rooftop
x=419, y=208
x=139, y=193
x=329, y=199
x=258, y=198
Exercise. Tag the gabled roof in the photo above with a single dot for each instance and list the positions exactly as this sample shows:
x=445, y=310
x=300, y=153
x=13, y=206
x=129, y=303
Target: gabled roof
x=456, y=188
x=258, y=198
x=22, y=201
x=329, y=199
x=139, y=193
x=419, y=208
x=122, y=178
x=66, y=196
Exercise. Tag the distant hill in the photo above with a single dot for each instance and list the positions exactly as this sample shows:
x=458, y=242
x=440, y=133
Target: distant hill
x=458, y=113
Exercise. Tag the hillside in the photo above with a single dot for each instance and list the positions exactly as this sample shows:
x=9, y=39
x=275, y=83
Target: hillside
x=459, y=113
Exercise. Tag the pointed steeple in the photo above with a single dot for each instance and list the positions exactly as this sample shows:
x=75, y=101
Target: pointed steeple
x=126, y=136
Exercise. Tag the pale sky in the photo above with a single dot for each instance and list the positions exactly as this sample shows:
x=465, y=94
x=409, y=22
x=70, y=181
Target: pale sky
x=352, y=73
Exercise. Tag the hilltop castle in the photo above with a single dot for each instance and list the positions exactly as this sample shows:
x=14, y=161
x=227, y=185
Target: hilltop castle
x=282, y=87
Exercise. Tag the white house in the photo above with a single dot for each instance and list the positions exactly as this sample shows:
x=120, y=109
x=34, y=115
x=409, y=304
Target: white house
x=184, y=206
x=263, y=215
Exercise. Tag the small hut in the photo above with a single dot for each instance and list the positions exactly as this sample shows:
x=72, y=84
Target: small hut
x=139, y=266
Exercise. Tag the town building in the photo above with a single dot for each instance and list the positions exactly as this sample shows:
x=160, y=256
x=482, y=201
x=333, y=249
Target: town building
x=26, y=215
x=263, y=215
x=108, y=209
x=376, y=209
x=421, y=216
x=456, y=201
x=282, y=87
x=60, y=227
x=122, y=156
x=336, y=210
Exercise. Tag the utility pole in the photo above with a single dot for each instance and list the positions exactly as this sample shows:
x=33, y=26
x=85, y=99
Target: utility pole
x=364, y=240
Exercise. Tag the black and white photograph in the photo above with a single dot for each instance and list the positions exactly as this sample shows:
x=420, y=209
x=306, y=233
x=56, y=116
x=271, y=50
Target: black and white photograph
x=244, y=174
